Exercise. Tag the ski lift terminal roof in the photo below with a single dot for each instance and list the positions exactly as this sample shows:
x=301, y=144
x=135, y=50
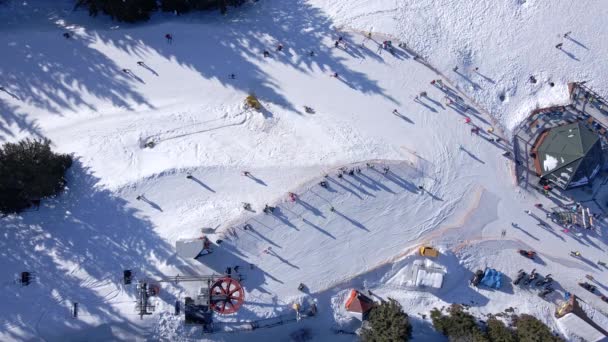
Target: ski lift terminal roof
x=569, y=155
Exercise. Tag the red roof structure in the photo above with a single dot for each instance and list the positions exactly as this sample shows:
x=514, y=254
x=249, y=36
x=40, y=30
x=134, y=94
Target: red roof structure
x=358, y=302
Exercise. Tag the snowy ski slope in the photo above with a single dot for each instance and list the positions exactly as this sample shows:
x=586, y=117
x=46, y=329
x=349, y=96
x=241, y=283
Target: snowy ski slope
x=74, y=92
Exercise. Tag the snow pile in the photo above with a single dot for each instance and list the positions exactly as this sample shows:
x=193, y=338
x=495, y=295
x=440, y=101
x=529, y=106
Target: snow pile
x=573, y=326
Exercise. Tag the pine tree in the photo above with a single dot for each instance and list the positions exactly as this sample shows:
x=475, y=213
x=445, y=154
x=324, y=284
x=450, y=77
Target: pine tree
x=458, y=325
x=530, y=329
x=499, y=332
x=29, y=171
x=387, y=323
x=120, y=10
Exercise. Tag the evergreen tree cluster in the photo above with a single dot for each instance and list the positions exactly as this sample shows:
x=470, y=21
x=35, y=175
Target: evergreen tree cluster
x=140, y=10
x=459, y=325
x=30, y=171
x=387, y=323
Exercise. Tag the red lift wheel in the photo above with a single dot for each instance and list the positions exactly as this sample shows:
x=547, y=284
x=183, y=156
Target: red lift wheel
x=227, y=296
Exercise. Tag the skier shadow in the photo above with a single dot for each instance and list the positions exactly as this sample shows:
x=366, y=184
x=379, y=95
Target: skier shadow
x=525, y=232
x=468, y=79
x=283, y=260
x=577, y=42
x=199, y=182
x=400, y=54
x=586, y=237
x=589, y=262
x=404, y=118
x=309, y=207
x=477, y=115
x=351, y=50
x=352, y=221
x=433, y=196
x=150, y=202
x=343, y=187
x=145, y=66
x=578, y=239
x=544, y=225
x=395, y=178
x=95, y=236
x=470, y=154
x=318, y=228
x=9, y=93
x=373, y=183
x=257, y=180
x=370, y=53
x=360, y=189
x=436, y=103
x=278, y=213
x=254, y=232
x=426, y=105
x=485, y=77
x=135, y=77
x=570, y=54
x=449, y=92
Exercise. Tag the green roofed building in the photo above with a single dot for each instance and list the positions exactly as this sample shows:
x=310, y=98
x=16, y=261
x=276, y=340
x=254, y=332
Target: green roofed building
x=568, y=155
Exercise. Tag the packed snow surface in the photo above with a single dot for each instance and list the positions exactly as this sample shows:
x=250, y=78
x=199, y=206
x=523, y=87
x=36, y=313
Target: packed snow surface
x=430, y=178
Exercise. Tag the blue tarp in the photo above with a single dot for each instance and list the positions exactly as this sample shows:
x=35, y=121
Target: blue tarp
x=492, y=278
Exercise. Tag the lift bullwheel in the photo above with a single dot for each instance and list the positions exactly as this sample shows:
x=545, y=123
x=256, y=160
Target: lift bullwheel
x=227, y=296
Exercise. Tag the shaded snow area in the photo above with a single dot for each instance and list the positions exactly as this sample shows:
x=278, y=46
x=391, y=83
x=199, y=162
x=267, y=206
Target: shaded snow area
x=420, y=173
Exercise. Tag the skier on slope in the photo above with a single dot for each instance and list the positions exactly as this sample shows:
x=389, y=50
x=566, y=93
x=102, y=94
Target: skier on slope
x=292, y=196
x=169, y=38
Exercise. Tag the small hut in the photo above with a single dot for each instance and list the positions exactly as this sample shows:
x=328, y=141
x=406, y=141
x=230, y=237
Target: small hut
x=358, y=304
x=193, y=248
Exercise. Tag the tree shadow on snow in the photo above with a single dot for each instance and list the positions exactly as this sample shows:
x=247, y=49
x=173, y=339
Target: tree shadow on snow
x=75, y=242
x=53, y=75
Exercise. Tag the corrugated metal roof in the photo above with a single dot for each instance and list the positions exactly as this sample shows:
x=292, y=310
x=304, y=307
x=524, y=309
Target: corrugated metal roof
x=562, y=151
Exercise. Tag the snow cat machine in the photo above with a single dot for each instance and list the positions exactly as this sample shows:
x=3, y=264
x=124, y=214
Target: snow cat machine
x=587, y=286
x=428, y=251
x=528, y=254
x=520, y=276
